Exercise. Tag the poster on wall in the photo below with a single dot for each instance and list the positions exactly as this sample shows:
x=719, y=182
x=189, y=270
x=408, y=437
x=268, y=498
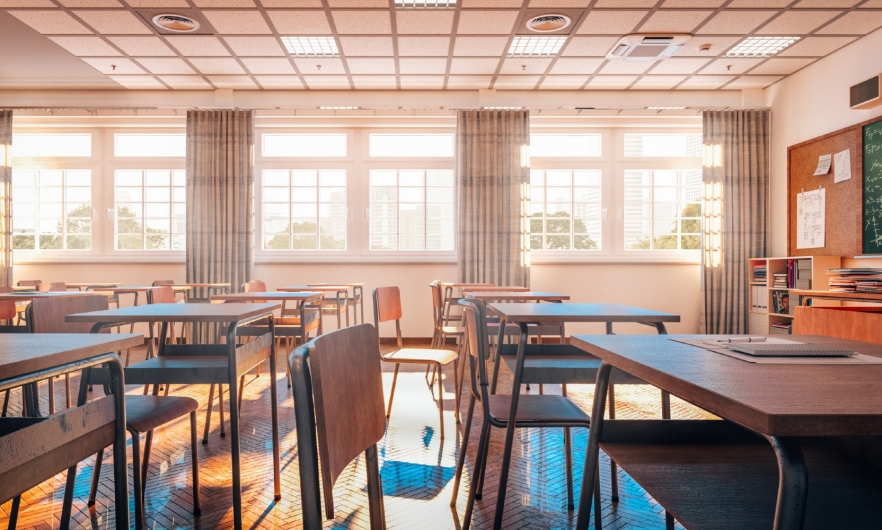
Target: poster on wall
x=811, y=222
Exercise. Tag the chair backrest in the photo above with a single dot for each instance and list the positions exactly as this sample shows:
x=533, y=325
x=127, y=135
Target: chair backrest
x=157, y=283
x=254, y=286
x=477, y=344
x=7, y=309
x=387, y=304
x=437, y=304
x=161, y=295
x=47, y=314
x=29, y=283
x=52, y=287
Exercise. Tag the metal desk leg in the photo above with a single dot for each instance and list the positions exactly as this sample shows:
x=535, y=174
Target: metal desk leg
x=665, y=395
x=614, y=468
x=592, y=453
x=500, y=338
x=234, y=427
x=274, y=408
x=792, y=483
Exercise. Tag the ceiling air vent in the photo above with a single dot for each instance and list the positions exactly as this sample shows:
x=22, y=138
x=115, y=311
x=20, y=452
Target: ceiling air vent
x=865, y=94
x=176, y=23
x=647, y=47
x=548, y=23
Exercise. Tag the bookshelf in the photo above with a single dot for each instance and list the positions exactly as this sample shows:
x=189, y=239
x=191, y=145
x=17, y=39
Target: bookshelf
x=768, y=313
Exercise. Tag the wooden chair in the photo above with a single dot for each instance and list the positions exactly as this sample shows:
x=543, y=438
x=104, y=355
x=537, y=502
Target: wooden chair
x=387, y=306
x=160, y=283
x=8, y=312
x=52, y=287
x=442, y=332
x=143, y=413
x=533, y=411
x=338, y=399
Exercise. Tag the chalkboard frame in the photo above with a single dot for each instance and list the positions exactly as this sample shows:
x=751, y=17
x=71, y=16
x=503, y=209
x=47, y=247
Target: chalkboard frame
x=871, y=245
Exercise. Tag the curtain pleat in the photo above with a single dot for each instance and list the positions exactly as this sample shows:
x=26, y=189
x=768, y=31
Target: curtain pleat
x=493, y=189
x=737, y=165
x=5, y=197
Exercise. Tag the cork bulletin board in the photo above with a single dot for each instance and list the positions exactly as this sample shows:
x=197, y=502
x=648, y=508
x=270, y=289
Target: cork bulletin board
x=844, y=200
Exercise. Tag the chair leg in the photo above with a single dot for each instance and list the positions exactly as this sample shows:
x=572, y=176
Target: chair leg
x=598, y=515
x=194, y=457
x=220, y=400
x=463, y=449
x=145, y=461
x=456, y=391
x=375, y=489
x=568, y=457
x=136, y=480
x=480, y=462
x=479, y=477
x=51, y=395
x=96, y=477
x=208, y=415
x=392, y=393
x=5, y=404
x=13, y=515
x=241, y=388
x=440, y=399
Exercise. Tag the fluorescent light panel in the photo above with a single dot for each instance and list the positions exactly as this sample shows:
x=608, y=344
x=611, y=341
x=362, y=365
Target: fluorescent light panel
x=311, y=46
x=761, y=46
x=426, y=4
x=536, y=46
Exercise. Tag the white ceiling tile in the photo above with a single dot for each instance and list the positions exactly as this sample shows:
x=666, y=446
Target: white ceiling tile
x=486, y=22
x=816, y=46
x=718, y=45
x=217, y=66
x=336, y=4
x=705, y=82
x=826, y=3
x=658, y=82
x=327, y=82
x=781, y=66
x=855, y=23
x=238, y=22
x=114, y=22
x=255, y=46
x=300, y=22
x=214, y=4
x=114, y=65
x=610, y=22
x=678, y=66
x=796, y=22
x=51, y=22
x=735, y=22
x=268, y=65
x=279, y=82
x=516, y=82
x=185, y=82
x=480, y=46
x=374, y=82
x=625, y=67
x=759, y=3
x=667, y=4
x=578, y=4
x=143, y=46
x=157, y=3
x=167, y=66
x=86, y=46
x=524, y=66
x=611, y=82
x=239, y=82
x=422, y=82
x=362, y=22
x=367, y=46
x=753, y=81
x=478, y=4
x=460, y=65
x=322, y=66
x=738, y=65
x=90, y=3
x=7, y=4
x=373, y=66
x=424, y=46
x=626, y=3
x=291, y=4
x=198, y=46
x=424, y=22
x=589, y=46
x=674, y=21
x=138, y=82
x=576, y=66
x=468, y=82
x=563, y=82
x=423, y=65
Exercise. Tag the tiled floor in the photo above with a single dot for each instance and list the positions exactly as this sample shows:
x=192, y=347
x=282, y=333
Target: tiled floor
x=417, y=470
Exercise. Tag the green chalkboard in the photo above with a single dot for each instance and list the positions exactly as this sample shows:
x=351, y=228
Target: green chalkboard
x=873, y=188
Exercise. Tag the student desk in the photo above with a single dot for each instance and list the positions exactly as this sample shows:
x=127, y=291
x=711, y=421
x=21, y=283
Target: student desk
x=309, y=320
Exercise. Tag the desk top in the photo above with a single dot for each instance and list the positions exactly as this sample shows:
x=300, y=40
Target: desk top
x=557, y=313
x=178, y=313
x=200, y=285
x=495, y=288
x=309, y=288
x=335, y=284
x=269, y=295
x=143, y=288
x=466, y=284
x=521, y=296
x=94, y=284
x=24, y=353
x=772, y=399
x=24, y=296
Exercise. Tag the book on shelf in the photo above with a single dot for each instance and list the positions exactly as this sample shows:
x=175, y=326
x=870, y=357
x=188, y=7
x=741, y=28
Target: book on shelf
x=760, y=273
x=856, y=280
x=781, y=300
x=780, y=328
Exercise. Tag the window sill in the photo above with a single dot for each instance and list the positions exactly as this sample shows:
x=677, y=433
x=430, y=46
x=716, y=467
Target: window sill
x=587, y=258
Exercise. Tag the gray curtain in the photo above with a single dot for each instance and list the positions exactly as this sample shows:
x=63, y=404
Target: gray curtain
x=494, y=195
x=736, y=214
x=5, y=197
x=220, y=197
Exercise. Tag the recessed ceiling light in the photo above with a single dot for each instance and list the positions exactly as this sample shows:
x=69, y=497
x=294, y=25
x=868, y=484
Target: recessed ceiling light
x=311, y=46
x=535, y=46
x=426, y=4
x=761, y=46
x=666, y=108
x=176, y=23
x=338, y=108
x=548, y=23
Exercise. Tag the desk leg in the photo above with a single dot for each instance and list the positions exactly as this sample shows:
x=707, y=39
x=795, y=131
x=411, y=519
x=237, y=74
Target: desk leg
x=614, y=469
x=592, y=453
x=792, y=483
x=274, y=408
x=510, y=428
x=500, y=338
x=665, y=395
x=234, y=426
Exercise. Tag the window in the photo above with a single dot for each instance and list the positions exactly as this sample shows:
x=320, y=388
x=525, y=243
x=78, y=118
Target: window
x=411, y=209
x=565, y=210
x=564, y=145
x=151, y=210
x=304, y=209
x=411, y=145
x=52, y=210
x=662, y=145
x=304, y=145
x=150, y=145
x=662, y=210
x=51, y=145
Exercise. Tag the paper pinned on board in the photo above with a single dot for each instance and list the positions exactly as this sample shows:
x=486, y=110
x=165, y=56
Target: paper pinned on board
x=842, y=166
x=811, y=222
x=823, y=165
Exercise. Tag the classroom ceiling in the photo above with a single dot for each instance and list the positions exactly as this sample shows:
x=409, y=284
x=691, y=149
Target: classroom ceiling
x=240, y=44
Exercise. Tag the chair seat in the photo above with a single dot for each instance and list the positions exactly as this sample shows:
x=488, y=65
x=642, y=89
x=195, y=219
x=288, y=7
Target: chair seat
x=145, y=413
x=421, y=355
x=453, y=330
x=538, y=409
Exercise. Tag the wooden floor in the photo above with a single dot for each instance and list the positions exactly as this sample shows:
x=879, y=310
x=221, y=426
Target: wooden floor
x=417, y=469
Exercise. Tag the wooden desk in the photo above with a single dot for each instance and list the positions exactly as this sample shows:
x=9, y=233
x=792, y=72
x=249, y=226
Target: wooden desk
x=492, y=288
x=137, y=289
x=27, y=296
x=35, y=449
x=92, y=285
x=357, y=296
x=338, y=303
x=515, y=296
x=204, y=363
x=276, y=296
x=780, y=402
x=209, y=286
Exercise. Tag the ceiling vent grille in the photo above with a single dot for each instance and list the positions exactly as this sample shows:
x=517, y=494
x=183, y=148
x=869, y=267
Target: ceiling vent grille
x=176, y=23
x=548, y=23
x=647, y=47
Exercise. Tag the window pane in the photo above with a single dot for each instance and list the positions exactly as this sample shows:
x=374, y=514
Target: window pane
x=51, y=145
x=150, y=145
x=663, y=145
x=304, y=145
x=565, y=145
x=657, y=213
x=151, y=216
x=61, y=215
x=416, y=205
x=314, y=204
x=557, y=196
x=411, y=145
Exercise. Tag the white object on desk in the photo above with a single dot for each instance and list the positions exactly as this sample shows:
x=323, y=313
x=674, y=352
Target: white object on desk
x=716, y=347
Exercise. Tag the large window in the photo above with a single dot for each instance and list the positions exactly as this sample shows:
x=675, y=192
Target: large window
x=565, y=210
x=151, y=210
x=565, y=145
x=662, y=210
x=52, y=209
x=304, y=145
x=663, y=145
x=411, y=145
x=411, y=209
x=304, y=209
x=150, y=145
x=51, y=145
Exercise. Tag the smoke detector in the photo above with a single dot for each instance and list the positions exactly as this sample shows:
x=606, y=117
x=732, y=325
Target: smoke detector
x=640, y=47
x=548, y=23
x=176, y=23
